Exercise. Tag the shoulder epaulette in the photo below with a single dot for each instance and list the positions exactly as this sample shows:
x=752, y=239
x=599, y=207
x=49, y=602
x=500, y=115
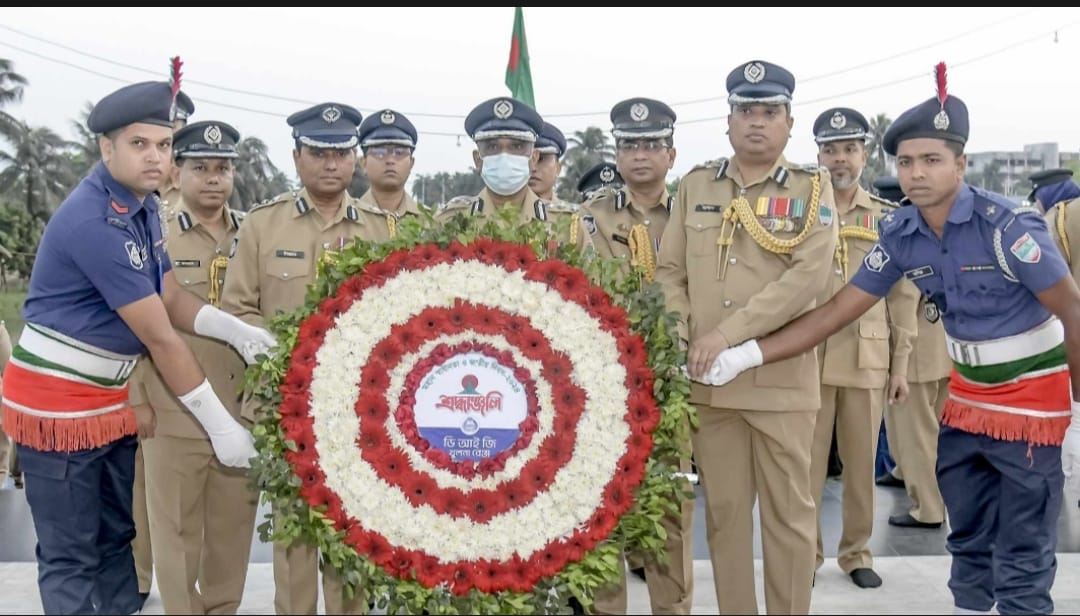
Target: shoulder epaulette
x=718, y=166
x=458, y=203
x=282, y=198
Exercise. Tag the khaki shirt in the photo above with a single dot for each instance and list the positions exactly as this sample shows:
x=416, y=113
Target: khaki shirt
x=193, y=251
x=408, y=206
x=858, y=355
x=1064, y=223
x=531, y=207
x=607, y=217
x=169, y=195
x=277, y=251
x=746, y=290
x=929, y=358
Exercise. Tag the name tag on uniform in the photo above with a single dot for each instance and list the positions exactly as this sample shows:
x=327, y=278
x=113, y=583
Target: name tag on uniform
x=289, y=254
x=919, y=272
x=187, y=263
x=704, y=207
x=620, y=239
x=977, y=268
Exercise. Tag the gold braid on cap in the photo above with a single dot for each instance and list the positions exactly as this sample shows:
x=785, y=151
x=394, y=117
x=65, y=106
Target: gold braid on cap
x=217, y=268
x=641, y=251
x=739, y=212
x=851, y=232
x=1062, y=233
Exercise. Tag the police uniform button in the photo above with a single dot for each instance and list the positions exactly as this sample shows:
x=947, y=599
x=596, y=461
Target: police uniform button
x=326, y=245
x=839, y=273
x=648, y=222
x=727, y=303
x=843, y=224
x=738, y=225
x=699, y=225
x=285, y=274
x=733, y=260
x=187, y=281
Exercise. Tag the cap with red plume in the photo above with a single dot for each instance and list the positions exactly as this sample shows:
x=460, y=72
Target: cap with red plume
x=175, y=76
x=942, y=117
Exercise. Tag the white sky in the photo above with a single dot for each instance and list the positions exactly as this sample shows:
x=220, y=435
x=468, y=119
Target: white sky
x=1021, y=86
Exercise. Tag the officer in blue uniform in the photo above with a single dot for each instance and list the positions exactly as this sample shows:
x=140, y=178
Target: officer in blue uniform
x=1012, y=316
x=101, y=294
x=600, y=175
x=1051, y=187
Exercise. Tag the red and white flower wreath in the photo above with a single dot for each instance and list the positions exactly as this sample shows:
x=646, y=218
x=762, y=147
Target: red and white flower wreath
x=506, y=522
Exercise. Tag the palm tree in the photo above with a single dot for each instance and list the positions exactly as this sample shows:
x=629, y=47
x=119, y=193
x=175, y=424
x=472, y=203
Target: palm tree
x=37, y=168
x=12, y=86
x=877, y=163
x=585, y=149
x=257, y=179
x=86, y=152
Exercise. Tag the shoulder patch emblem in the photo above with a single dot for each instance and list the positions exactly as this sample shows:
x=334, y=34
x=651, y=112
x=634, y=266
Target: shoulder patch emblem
x=825, y=215
x=876, y=259
x=134, y=255
x=1026, y=249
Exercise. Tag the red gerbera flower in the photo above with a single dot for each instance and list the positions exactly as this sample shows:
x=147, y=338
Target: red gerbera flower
x=575, y=548
x=640, y=380
x=482, y=505
x=482, y=248
x=547, y=271
x=569, y=397
x=431, y=321
x=559, y=448
x=458, y=251
x=293, y=405
x=298, y=378
x=316, y=495
x=294, y=426
x=372, y=437
x=463, y=578
x=642, y=413
x=633, y=349
x=315, y=327
x=600, y=524
x=532, y=342
x=376, y=273
x=524, y=575
x=515, y=494
x=380, y=552
x=538, y=474
x=557, y=366
x=333, y=307
x=335, y=511
x=597, y=297
x=616, y=497
x=307, y=469
x=360, y=539
x=487, y=576
x=351, y=289
x=450, y=501
x=303, y=434
x=389, y=351
x=404, y=562
x=459, y=315
x=374, y=377
x=547, y=561
x=640, y=441
x=429, y=572
x=372, y=406
x=521, y=256
x=572, y=284
x=426, y=256
x=393, y=464
x=418, y=488
x=304, y=352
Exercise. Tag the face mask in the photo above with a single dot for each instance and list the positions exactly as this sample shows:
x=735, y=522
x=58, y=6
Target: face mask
x=505, y=174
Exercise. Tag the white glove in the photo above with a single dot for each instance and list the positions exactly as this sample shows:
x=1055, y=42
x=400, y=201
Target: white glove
x=232, y=443
x=733, y=362
x=248, y=340
x=1070, y=451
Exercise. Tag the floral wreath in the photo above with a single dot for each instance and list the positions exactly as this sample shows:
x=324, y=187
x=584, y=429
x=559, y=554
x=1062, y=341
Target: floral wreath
x=577, y=467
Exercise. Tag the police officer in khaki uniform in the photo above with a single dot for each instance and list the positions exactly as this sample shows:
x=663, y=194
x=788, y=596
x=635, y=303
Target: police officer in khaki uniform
x=749, y=245
x=169, y=193
x=551, y=146
x=600, y=175
x=274, y=260
x=627, y=223
x=505, y=131
x=388, y=140
x=1058, y=195
x=857, y=361
x=202, y=514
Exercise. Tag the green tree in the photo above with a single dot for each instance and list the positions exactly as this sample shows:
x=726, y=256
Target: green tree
x=36, y=171
x=989, y=178
x=877, y=161
x=12, y=86
x=20, y=234
x=257, y=179
x=85, y=150
x=585, y=148
x=438, y=188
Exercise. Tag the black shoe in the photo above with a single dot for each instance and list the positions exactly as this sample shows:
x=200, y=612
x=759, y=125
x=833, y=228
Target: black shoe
x=577, y=608
x=889, y=480
x=906, y=520
x=143, y=596
x=18, y=480
x=639, y=573
x=864, y=577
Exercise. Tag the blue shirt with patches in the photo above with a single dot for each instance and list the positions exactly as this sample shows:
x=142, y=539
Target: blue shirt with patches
x=102, y=250
x=962, y=272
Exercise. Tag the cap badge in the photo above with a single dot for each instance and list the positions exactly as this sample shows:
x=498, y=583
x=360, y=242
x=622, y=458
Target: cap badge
x=387, y=117
x=754, y=72
x=503, y=109
x=639, y=112
x=838, y=121
x=607, y=175
x=941, y=120
x=212, y=135
x=331, y=114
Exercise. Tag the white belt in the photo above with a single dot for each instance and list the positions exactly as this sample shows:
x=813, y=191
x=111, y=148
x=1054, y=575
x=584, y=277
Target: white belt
x=83, y=358
x=1000, y=350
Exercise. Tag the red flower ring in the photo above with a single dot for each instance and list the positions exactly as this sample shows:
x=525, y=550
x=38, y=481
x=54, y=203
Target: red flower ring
x=520, y=571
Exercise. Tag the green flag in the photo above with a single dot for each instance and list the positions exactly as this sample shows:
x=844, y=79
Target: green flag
x=518, y=74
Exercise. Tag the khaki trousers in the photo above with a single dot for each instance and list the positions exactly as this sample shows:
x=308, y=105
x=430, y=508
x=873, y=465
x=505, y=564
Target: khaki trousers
x=296, y=583
x=912, y=430
x=141, y=547
x=744, y=456
x=856, y=414
x=202, y=520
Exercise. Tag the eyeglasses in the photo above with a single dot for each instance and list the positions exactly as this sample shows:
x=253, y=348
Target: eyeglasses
x=383, y=152
x=647, y=145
